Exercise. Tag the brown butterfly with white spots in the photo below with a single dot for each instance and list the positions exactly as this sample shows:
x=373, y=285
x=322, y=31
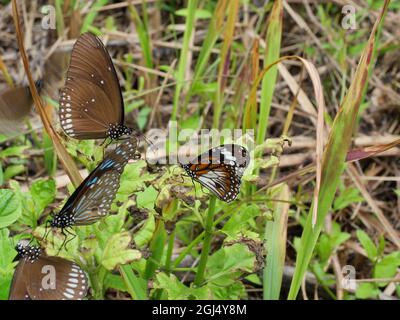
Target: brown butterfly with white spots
x=91, y=104
x=39, y=277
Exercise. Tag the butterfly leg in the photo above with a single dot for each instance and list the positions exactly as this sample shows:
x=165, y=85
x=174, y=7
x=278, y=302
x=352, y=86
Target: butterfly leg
x=65, y=239
x=46, y=233
x=73, y=237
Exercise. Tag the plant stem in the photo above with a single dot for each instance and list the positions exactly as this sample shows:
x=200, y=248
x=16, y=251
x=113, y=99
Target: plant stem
x=169, y=252
x=209, y=226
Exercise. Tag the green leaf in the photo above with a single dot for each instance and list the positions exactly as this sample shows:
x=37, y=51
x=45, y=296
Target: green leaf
x=10, y=208
x=115, y=282
x=147, y=198
x=143, y=117
x=387, y=267
x=144, y=235
x=133, y=179
x=366, y=290
x=239, y=221
x=367, y=244
x=16, y=151
x=177, y=290
x=136, y=286
x=7, y=255
x=346, y=198
x=13, y=170
x=116, y=252
x=43, y=193
x=229, y=263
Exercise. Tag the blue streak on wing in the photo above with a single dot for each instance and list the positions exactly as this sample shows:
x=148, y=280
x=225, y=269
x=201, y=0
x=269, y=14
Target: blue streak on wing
x=107, y=164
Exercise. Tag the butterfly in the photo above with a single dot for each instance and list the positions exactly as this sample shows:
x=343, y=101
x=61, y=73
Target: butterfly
x=92, y=199
x=15, y=105
x=220, y=170
x=39, y=277
x=91, y=104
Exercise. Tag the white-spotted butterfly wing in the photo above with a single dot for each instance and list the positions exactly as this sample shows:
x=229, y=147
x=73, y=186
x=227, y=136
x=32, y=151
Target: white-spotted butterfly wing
x=91, y=101
x=69, y=281
x=93, y=198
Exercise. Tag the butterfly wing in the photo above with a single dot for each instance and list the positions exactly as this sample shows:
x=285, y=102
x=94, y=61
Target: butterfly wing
x=220, y=170
x=18, y=290
x=92, y=199
x=91, y=99
x=15, y=105
x=54, y=278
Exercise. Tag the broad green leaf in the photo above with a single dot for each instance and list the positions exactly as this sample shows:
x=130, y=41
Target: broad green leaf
x=147, y=198
x=10, y=207
x=177, y=290
x=387, y=267
x=7, y=255
x=116, y=251
x=229, y=262
x=238, y=222
x=366, y=291
x=43, y=193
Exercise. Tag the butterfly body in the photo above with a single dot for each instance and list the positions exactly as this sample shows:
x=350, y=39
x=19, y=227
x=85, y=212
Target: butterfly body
x=220, y=170
x=39, y=277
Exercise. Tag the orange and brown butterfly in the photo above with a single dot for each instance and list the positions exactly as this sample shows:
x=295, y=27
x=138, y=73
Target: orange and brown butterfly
x=220, y=170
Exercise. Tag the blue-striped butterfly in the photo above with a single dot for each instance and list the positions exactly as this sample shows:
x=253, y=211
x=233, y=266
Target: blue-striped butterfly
x=93, y=198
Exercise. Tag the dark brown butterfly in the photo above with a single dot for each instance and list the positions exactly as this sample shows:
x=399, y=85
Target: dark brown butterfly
x=220, y=170
x=93, y=198
x=91, y=104
x=39, y=277
x=15, y=105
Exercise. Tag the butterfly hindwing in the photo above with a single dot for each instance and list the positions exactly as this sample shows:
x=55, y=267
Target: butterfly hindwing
x=93, y=198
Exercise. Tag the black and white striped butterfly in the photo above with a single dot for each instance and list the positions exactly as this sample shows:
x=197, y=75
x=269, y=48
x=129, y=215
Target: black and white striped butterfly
x=220, y=170
x=39, y=277
x=93, y=198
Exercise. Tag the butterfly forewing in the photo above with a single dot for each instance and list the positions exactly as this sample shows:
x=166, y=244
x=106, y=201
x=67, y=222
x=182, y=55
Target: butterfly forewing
x=53, y=278
x=91, y=99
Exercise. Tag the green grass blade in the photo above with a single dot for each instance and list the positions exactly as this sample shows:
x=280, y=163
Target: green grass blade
x=143, y=35
x=189, y=29
x=88, y=21
x=272, y=50
x=275, y=239
x=334, y=157
x=233, y=10
x=213, y=33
